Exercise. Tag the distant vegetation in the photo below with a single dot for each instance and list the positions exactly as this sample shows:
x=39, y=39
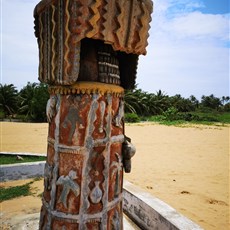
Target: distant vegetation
x=29, y=104
x=160, y=107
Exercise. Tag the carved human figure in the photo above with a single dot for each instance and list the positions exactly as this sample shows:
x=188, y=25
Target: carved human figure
x=68, y=185
x=73, y=117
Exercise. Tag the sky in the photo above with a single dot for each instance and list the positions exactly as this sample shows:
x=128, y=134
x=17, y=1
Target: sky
x=187, y=53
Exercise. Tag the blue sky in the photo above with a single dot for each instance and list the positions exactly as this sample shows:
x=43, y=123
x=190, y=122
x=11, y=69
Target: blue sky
x=188, y=51
x=216, y=7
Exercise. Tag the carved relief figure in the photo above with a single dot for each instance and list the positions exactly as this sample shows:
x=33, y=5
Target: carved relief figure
x=120, y=116
x=48, y=176
x=115, y=223
x=117, y=170
x=96, y=193
x=73, y=117
x=51, y=108
x=68, y=185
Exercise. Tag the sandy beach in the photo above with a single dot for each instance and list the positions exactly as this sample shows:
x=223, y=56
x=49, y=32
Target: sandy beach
x=186, y=167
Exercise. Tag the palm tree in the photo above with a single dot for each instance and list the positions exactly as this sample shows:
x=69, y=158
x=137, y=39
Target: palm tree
x=135, y=101
x=182, y=104
x=130, y=101
x=211, y=102
x=32, y=101
x=194, y=101
x=159, y=102
x=225, y=100
x=26, y=99
x=8, y=99
x=145, y=104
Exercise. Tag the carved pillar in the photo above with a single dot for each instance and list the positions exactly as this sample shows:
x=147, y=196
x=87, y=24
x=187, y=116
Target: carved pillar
x=85, y=49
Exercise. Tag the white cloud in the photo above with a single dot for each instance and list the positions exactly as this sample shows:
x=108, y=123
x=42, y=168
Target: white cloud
x=184, y=69
x=188, y=51
x=198, y=25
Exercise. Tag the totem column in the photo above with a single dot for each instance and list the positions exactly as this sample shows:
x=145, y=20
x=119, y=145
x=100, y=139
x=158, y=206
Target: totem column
x=88, y=54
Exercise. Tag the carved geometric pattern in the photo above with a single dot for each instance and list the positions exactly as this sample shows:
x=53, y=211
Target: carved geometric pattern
x=67, y=37
x=93, y=8
x=122, y=24
x=144, y=28
x=104, y=17
x=118, y=32
x=88, y=87
x=53, y=43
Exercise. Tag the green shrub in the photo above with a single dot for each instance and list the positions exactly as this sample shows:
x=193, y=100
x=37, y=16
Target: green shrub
x=132, y=117
x=156, y=118
x=171, y=114
x=211, y=118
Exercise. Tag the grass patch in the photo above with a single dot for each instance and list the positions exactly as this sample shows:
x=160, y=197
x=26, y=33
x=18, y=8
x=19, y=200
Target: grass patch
x=13, y=192
x=12, y=159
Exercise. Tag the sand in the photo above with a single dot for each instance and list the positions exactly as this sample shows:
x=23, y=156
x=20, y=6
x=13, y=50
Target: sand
x=186, y=167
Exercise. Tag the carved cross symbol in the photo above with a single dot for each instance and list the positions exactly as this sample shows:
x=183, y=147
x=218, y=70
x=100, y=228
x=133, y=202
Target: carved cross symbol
x=68, y=184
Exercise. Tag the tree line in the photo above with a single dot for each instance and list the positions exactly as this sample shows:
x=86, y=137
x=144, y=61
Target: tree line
x=29, y=103
x=148, y=104
x=145, y=104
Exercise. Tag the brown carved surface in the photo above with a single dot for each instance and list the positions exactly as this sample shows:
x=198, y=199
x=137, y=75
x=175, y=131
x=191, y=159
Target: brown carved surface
x=60, y=27
x=84, y=170
x=121, y=23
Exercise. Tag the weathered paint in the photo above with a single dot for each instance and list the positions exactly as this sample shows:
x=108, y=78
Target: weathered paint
x=84, y=169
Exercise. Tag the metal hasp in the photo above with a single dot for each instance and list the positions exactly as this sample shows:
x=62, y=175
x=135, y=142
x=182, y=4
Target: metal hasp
x=88, y=54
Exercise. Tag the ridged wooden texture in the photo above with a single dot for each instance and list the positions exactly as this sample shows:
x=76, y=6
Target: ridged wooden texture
x=61, y=25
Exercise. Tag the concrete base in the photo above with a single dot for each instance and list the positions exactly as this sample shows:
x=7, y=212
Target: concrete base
x=149, y=212
x=21, y=171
